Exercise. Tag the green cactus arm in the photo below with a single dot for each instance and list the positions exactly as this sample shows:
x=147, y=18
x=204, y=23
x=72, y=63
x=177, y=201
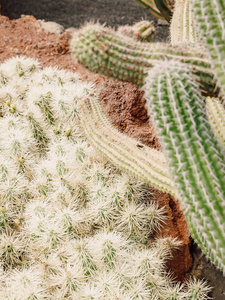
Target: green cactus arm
x=181, y=27
x=194, y=157
x=216, y=116
x=105, y=51
x=126, y=153
x=210, y=20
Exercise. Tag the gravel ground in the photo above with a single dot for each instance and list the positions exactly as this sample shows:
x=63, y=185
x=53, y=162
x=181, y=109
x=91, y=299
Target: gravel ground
x=74, y=13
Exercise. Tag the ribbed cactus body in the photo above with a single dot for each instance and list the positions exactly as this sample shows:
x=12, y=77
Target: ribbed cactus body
x=216, y=115
x=209, y=16
x=195, y=159
x=181, y=27
x=105, y=51
x=128, y=154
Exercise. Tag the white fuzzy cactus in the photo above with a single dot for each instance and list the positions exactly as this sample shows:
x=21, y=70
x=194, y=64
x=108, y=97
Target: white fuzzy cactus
x=71, y=224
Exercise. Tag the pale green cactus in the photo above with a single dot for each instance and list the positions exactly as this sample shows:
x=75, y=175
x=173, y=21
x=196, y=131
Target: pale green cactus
x=127, y=153
x=182, y=29
x=216, y=115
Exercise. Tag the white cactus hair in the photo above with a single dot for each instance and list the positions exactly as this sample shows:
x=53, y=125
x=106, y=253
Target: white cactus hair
x=12, y=248
x=198, y=289
x=108, y=248
x=19, y=66
x=66, y=213
x=140, y=219
x=26, y=283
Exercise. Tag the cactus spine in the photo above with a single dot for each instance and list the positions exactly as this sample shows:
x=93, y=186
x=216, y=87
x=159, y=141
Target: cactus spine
x=195, y=159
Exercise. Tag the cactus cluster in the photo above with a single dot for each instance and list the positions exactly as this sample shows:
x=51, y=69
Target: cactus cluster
x=194, y=157
x=176, y=81
x=72, y=226
x=105, y=51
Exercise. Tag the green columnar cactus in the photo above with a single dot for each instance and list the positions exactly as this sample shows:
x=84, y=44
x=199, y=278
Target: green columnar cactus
x=209, y=17
x=216, y=115
x=195, y=159
x=128, y=154
x=105, y=51
x=181, y=27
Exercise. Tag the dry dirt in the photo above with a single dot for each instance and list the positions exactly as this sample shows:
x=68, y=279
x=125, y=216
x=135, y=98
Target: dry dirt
x=122, y=102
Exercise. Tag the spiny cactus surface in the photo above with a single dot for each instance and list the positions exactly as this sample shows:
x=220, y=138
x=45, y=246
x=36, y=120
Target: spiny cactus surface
x=195, y=158
x=128, y=154
x=105, y=51
x=71, y=225
x=216, y=114
x=182, y=29
x=209, y=17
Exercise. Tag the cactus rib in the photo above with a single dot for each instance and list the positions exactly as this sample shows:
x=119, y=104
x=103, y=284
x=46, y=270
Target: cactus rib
x=195, y=159
x=181, y=27
x=145, y=163
x=216, y=115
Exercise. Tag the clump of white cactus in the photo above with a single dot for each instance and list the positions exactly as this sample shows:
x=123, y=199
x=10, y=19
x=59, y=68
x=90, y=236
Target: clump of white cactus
x=71, y=225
